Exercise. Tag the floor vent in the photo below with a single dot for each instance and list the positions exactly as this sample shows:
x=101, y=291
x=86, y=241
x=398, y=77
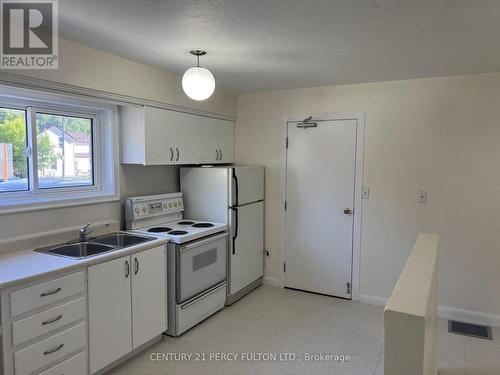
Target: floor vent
x=472, y=330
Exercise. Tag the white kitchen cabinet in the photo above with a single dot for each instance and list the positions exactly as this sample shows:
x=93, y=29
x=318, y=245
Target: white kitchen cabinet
x=148, y=295
x=110, y=314
x=44, y=322
x=127, y=305
x=154, y=136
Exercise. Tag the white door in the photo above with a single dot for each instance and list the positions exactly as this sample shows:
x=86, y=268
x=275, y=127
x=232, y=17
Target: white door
x=148, y=295
x=110, y=312
x=320, y=177
x=246, y=251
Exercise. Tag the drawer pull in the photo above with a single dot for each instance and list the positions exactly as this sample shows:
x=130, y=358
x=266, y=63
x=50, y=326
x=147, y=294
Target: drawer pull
x=45, y=294
x=47, y=352
x=52, y=320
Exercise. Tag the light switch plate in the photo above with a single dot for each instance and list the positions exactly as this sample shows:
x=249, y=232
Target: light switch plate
x=421, y=196
x=365, y=194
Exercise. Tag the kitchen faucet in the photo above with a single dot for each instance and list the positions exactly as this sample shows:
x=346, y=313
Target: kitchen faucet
x=84, y=232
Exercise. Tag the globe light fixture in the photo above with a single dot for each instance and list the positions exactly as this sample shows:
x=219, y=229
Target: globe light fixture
x=198, y=83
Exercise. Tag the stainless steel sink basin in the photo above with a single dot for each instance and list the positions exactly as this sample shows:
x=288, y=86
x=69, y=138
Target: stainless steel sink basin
x=121, y=239
x=95, y=246
x=78, y=250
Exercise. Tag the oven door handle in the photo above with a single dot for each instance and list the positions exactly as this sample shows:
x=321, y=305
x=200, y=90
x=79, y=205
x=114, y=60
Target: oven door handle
x=202, y=242
x=203, y=295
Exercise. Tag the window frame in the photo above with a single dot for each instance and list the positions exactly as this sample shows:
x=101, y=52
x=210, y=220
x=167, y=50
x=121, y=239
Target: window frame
x=104, y=155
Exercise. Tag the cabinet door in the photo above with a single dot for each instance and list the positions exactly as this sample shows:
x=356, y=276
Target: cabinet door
x=158, y=137
x=187, y=137
x=148, y=295
x=225, y=137
x=110, y=312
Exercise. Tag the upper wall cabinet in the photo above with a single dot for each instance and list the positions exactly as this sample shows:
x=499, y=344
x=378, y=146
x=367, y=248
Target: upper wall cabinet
x=154, y=136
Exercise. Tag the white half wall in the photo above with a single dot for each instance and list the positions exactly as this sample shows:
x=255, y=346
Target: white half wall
x=441, y=135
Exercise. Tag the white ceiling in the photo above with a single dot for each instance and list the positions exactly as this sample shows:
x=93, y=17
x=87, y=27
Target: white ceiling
x=276, y=44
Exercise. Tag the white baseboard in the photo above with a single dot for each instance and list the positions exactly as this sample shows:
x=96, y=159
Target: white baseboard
x=446, y=312
x=373, y=300
x=469, y=316
x=272, y=281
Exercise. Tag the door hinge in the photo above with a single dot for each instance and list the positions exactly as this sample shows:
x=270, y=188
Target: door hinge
x=286, y=142
x=284, y=267
x=285, y=205
x=348, y=288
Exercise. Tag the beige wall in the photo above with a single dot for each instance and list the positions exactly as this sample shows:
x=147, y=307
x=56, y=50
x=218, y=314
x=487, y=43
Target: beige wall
x=441, y=135
x=90, y=68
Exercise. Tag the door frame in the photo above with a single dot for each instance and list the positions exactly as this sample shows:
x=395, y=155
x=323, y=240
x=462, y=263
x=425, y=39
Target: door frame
x=359, y=117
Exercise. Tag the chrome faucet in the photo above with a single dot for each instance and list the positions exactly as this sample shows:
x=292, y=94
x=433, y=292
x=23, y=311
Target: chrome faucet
x=84, y=232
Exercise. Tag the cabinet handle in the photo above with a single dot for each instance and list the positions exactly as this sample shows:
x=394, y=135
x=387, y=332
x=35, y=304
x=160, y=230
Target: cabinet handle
x=127, y=269
x=50, y=351
x=46, y=294
x=216, y=154
x=136, y=266
x=220, y=154
x=171, y=154
x=177, y=150
x=50, y=321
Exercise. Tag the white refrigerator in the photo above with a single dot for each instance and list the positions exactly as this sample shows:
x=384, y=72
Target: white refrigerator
x=232, y=195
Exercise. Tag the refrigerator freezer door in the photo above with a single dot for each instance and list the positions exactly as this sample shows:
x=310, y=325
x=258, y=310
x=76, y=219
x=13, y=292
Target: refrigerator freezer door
x=247, y=185
x=246, y=253
x=205, y=193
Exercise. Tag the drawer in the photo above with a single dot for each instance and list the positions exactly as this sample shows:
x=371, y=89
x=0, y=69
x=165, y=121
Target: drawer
x=50, y=350
x=76, y=365
x=42, y=294
x=39, y=324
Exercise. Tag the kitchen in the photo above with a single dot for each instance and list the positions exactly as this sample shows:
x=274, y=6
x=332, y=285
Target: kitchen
x=410, y=128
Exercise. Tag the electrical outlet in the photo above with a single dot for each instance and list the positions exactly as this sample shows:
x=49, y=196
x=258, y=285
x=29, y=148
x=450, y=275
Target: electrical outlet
x=365, y=194
x=421, y=196
x=268, y=253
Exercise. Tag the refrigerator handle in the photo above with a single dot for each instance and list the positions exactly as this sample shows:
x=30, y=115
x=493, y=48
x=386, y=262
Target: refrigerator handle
x=235, y=187
x=235, y=235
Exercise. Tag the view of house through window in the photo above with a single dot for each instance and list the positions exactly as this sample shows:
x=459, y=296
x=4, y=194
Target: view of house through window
x=64, y=151
x=63, y=157
x=13, y=158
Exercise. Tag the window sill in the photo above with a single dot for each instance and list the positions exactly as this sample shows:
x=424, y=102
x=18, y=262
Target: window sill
x=26, y=204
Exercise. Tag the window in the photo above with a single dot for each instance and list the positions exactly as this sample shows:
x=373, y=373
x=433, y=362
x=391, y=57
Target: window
x=52, y=154
x=13, y=150
x=64, y=150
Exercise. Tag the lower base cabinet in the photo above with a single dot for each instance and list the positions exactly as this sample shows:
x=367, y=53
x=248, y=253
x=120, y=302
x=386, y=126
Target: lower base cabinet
x=127, y=305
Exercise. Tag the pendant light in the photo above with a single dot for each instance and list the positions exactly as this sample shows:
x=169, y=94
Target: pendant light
x=198, y=83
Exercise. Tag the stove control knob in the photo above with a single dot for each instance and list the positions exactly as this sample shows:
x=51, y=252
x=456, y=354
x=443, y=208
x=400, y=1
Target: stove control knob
x=165, y=205
x=175, y=204
x=170, y=205
x=144, y=209
x=137, y=210
x=180, y=203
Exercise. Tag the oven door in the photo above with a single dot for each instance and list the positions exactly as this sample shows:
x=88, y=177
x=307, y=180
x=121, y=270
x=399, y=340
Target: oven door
x=200, y=265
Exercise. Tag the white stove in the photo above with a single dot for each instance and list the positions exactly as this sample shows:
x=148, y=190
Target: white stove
x=196, y=257
x=161, y=216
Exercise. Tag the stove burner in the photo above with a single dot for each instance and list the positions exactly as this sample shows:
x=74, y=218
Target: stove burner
x=185, y=222
x=159, y=229
x=202, y=225
x=177, y=232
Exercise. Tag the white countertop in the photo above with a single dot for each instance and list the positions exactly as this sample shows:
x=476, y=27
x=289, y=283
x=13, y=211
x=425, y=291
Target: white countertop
x=24, y=266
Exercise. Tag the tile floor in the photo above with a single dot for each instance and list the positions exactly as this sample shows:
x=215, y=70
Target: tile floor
x=274, y=320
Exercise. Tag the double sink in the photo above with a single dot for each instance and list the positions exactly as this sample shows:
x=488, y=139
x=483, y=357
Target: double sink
x=95, y=246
